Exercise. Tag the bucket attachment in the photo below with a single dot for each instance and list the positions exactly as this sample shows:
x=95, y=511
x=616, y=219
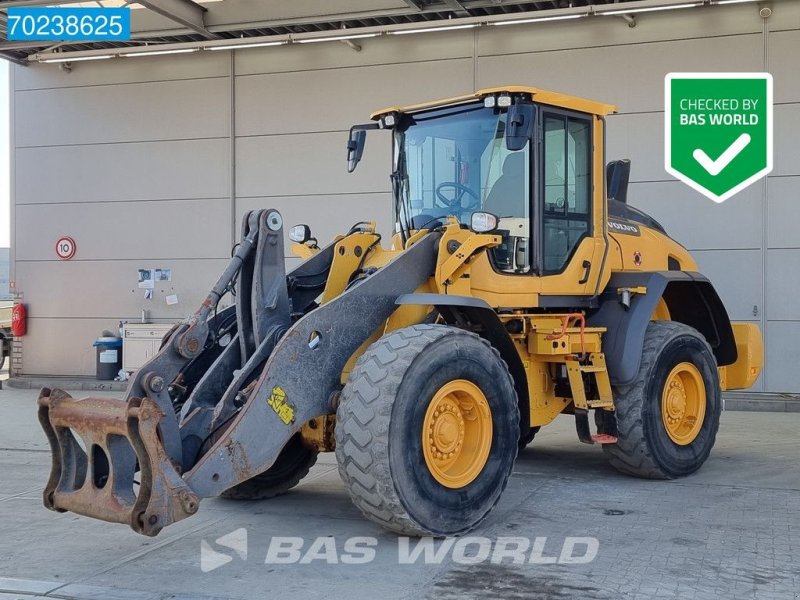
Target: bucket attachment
x=230, y=387
x=98, y=446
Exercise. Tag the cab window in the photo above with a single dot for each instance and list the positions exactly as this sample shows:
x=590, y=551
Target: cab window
x=566, y=176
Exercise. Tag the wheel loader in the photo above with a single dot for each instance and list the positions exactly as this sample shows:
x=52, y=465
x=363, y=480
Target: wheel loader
x=518, y=285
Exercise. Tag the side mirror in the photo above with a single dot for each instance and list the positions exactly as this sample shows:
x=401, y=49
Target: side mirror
x=355, y=148
x=519, y=125
x=300, y=234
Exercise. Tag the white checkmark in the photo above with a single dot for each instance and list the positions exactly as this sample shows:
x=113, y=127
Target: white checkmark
x=715, y=167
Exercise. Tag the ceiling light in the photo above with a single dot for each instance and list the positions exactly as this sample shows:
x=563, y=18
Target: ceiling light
x=432, y=29
x=732, y=1
x=631, y=11
x=77, y=59
x=240, y=46
x=336, y=38
x=537, y=20
x=162, y=52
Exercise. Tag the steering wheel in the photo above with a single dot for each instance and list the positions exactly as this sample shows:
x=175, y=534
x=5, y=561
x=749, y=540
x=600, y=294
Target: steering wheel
x=454, y=203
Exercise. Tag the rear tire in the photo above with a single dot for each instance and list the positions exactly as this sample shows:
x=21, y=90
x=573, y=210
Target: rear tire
x=646, y=447
x=528, y=438
x=385, y=460
x=293, y=463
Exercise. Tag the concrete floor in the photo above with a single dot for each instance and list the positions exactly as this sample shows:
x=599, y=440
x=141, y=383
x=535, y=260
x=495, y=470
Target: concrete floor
x=730, y=531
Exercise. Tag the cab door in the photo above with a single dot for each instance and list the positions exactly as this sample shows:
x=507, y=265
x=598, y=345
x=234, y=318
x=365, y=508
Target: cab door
x=569, y=204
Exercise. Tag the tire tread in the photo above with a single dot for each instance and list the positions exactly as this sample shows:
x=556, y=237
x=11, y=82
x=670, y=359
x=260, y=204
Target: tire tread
x=630, y=455
x=363, y=419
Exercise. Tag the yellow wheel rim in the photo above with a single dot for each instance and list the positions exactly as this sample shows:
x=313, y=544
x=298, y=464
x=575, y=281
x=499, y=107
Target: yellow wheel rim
x=457, y=433
x=683, y=403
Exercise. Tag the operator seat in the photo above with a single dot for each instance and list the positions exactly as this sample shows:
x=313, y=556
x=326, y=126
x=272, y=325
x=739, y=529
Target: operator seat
x=507, y=197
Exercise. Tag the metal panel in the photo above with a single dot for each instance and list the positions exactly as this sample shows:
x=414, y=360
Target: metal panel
x=170, y=110
x=727, y=271
x=783, y=210
x=787, y=132
x=107, y=289
x=783, y=283
x=327, y=215
x=783, y=375
x=711, y=225
x=783, y=50
x=606, y=73
x=116, y=172
x=312, y=163
x=128, y=230
x=200, y=65
x=291, y=102
x=639, y=137
x=59, y=346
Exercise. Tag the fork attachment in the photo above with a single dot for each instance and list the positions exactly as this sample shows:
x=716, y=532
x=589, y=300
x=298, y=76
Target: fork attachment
x=97, y=447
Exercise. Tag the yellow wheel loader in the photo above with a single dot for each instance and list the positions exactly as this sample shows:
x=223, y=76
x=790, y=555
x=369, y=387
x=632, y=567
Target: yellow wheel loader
x=518, y=285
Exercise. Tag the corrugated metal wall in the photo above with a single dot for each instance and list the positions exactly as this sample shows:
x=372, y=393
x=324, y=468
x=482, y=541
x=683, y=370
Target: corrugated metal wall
x=136, y=159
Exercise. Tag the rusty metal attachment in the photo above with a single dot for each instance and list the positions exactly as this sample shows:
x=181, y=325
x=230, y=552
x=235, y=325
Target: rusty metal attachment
x=99, y=446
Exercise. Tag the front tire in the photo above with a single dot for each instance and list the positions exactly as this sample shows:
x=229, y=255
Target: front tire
x=426, y=430
x=669, y=416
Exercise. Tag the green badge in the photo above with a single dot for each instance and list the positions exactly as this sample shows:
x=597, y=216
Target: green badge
x=718, y=130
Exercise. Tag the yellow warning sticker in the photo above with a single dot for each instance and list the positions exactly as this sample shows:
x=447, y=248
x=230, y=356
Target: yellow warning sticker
x=282, y=407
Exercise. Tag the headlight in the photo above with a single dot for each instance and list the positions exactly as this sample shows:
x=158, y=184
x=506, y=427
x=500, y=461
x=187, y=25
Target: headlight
x=483, y=222
x=300, y=234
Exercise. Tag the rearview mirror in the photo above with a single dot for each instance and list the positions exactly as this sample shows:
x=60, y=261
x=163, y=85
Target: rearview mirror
x=355, y=148
x=519, y=125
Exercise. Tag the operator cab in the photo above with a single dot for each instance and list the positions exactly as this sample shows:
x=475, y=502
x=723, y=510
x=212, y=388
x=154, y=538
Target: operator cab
x=458, y=160
x=500, y=151
x=455, y=161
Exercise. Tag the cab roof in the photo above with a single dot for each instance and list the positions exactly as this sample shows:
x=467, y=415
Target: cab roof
x=538, y=95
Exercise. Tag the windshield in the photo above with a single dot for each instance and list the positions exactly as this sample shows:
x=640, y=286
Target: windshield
x=454, y=161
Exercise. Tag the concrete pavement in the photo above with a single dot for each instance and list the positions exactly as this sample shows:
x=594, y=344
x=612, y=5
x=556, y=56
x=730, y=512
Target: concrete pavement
x=730, y=531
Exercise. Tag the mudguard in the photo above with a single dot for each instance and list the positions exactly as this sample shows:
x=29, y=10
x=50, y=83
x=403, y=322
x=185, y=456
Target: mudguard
x=473, y=313
x=691, y=300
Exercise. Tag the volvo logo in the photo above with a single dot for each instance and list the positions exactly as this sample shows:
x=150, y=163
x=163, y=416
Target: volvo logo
x=626, y=228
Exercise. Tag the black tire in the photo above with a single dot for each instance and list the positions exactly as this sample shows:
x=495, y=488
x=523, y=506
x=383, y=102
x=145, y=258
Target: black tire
x=644, y=448
x=379, y=424
x=527, y=439
x=293, y=463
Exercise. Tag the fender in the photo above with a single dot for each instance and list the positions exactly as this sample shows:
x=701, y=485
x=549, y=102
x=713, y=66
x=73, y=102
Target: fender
x=690, y=298
x=476, y=315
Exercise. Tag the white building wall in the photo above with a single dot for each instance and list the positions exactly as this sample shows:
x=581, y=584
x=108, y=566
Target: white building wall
x=152, y=162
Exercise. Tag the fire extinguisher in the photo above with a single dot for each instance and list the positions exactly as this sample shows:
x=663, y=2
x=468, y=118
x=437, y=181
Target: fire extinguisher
x=19, y=320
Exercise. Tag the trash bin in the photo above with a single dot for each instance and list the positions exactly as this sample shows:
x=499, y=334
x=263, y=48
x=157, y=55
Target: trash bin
x=109, y=357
